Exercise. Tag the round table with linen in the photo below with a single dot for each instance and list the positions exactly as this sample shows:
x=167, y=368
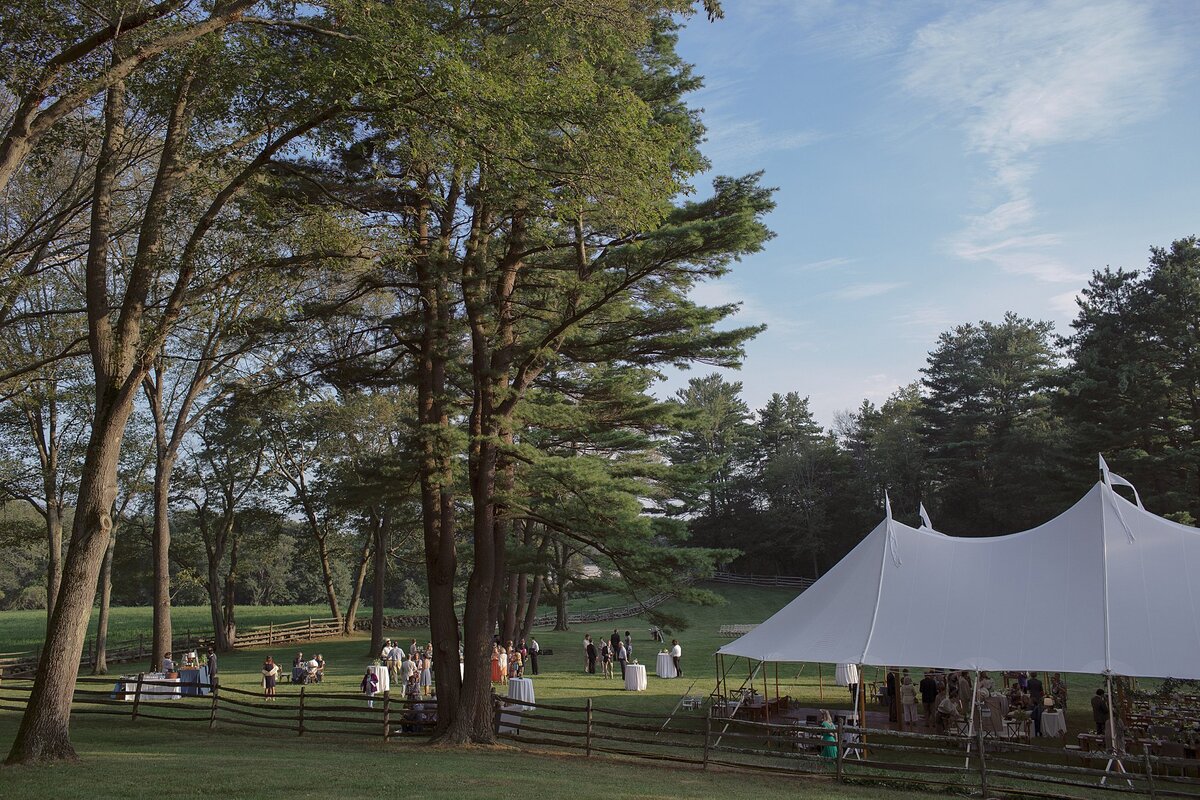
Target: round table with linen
x=521, y=689
x=385, y=681
x=635, y=677
x=665, y=667
x=1054, y=723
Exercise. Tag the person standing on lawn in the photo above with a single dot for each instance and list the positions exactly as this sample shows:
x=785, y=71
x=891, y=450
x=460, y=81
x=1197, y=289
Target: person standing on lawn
x=929, y=690
x=1036, y=694
x=676, y=654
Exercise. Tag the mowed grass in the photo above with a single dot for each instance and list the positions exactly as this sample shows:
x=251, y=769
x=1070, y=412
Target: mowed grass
x=149, y=759
x=121, y=758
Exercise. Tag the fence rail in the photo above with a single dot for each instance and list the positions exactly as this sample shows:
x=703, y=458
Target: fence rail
x=25, y=663
x=605, y=614
x=846, y=753
x=762, y=580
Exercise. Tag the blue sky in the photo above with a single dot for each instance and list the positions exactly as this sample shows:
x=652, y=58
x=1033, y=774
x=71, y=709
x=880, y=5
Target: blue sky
x=939, y=163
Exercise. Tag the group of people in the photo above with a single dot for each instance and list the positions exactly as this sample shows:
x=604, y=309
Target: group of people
x=412, y=669
x=510, y=661
x=614, y=648
x=310, y=670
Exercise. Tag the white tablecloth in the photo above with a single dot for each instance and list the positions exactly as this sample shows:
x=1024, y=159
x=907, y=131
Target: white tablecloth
x=521, y=689
x=845, y=674
x=665, y=667
x=635, y=677
x=1054, y=723
x=171, y=691
x=385, y=681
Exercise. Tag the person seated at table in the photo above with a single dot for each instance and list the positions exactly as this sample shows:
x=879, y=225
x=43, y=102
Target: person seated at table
x=310, y=671
x=168, y=665
x=299, y=668
x=949, y=712
x=320, y=659
x=986, y=684
x=1018, y=700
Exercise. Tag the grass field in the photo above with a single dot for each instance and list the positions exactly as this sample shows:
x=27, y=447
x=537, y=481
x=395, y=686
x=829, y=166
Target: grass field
x=133, y=759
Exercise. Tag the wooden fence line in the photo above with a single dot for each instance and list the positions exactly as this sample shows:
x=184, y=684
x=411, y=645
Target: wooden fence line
x=996, y=767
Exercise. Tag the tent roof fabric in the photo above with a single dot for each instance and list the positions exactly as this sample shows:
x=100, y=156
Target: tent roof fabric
x=1105, y=587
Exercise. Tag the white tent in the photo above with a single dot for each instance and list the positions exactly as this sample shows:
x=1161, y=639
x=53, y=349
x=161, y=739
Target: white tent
x=1105, y=587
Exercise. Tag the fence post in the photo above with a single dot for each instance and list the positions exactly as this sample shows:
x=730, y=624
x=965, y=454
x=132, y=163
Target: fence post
x=387, y=715
x=588, y=729
x=300, y=726
x=707, y=735
x=841, y=753
x=496, y=709
x=1149, y=775
x=137, y=695
x=212, y=715
x=270, y=633
x=983, y=784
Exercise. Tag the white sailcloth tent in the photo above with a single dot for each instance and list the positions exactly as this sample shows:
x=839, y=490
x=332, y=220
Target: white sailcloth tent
x=1107, y=587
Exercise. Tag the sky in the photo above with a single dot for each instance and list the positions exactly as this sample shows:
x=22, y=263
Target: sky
x=938, y=163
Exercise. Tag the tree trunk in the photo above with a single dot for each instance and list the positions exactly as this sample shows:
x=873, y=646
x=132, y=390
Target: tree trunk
x=327, y=577
x=164, y=464
x=100, y=667
x=360, y=577
x=44, y=734
x=377, y=595
x=437, y=470
x=532, y=607
x=54, y=532
x=560, y=610
x=513, y=588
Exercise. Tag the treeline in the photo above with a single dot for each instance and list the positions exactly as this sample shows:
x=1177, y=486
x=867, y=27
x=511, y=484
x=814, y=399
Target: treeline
x=1000, y=433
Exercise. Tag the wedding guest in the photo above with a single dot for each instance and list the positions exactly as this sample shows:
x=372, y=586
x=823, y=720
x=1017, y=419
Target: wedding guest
x=591, y=653
x=270, y=674
x=369, y=686
x=534, y=649
x=929, y=690
x=908, y=700
x=676, y=654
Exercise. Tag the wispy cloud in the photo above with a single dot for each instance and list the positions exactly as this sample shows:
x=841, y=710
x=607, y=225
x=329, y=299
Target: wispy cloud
x=1021, y=76
x=861, y=291
x=731, y=140
x=827, y=263
x=1065, y=304
x=751, y=311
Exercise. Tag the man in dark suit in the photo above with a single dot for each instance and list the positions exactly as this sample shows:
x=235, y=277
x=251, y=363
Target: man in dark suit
x=892, y=691
x=929, y=692
x=591, y=655
x=1036, y=694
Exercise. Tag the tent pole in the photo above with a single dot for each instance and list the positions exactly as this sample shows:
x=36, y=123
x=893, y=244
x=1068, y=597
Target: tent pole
x=971, y=723
x=860, y=707
x=766, y=695
x=1114, y=758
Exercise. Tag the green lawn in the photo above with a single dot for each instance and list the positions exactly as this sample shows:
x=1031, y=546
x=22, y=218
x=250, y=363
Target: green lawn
x=253, y=764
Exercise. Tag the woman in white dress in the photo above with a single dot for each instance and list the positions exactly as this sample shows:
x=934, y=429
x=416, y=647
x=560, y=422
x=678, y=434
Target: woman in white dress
x=503, y=666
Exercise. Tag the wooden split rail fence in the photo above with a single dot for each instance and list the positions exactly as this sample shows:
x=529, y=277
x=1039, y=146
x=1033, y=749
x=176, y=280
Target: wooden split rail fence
x=762, y=580
x=994, y=768
x=303, y=712
x=25, y=663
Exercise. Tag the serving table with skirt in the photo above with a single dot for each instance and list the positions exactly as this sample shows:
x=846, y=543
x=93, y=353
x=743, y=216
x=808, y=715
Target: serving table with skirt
x=385, y=680
x=1054, y=723
x=635, y=677
x=665, y=668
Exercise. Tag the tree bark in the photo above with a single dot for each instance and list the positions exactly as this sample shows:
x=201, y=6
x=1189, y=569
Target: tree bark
x=360, y=577
x=160, y=544
x=44, y=733
x=382, y=529
x=531, y=607
x=100, y=667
